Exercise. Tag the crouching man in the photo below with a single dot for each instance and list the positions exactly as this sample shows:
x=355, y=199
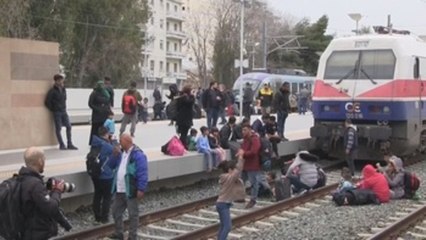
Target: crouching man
x=40, y=206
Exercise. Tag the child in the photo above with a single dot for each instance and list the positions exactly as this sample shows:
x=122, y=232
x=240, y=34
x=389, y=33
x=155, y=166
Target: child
x=204, y=147
x=110, y=125
x=346, y=181
x=231, y=190
x=192, y=140
x=144, y=110
x=214, y=143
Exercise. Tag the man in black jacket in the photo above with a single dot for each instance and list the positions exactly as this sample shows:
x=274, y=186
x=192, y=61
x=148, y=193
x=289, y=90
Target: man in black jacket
x=110, y=89
x=40, y=206
x=56, y=102
x=211, y=100
x=282, y=106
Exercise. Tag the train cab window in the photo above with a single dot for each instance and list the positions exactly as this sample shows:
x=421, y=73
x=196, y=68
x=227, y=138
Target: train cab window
x=294, y=88
x=377, y=64
x=340, y=64
x=374, y=64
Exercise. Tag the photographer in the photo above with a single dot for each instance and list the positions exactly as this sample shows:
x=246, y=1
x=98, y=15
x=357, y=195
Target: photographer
x=40, y=206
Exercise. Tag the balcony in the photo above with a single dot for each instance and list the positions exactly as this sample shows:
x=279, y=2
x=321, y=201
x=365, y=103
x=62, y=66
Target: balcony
x=177, y=75
x=175, y=34
x=177, y=16
x=175, y=55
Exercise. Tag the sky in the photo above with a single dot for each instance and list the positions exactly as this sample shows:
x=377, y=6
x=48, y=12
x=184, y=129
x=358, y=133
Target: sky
x=405, y=14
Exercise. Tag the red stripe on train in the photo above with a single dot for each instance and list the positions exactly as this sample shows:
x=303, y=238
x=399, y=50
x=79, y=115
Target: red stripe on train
x=323, y=89
x=397, y=88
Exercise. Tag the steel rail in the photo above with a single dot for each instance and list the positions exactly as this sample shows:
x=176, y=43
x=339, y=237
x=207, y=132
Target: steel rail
x=394, y=230
x=261, y=213
x=144, y=219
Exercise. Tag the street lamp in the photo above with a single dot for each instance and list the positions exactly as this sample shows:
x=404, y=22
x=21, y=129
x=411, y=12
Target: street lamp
x=356, y=17
x=243, y=2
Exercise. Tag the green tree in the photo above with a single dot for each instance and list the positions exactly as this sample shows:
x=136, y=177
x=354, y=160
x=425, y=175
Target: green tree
x=315, y=40
x=97, y=38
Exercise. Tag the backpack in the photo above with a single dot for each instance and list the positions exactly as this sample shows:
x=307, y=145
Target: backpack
x=171, y=109
x=93, y=164
x=411, y=184
x=129, y=104
x=355, y=197
x=175, y=147
x=265, y=154
x=11, y=224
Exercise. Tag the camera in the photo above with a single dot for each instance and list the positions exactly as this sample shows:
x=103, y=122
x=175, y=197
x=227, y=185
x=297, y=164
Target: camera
x=52, y=182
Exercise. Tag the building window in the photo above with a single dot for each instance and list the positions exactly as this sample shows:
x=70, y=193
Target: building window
x=152, y=65
x=161, y=2
x=167, y=46
x=161, y=44
x=168, y=6
x=167, y=26
x=176, y=8
x=176, y=67
x=152, y=2
x=176, y=27
x=176, y=47
x=167, y=67
x=161, y=66
x=161, y=23
x=152, y=21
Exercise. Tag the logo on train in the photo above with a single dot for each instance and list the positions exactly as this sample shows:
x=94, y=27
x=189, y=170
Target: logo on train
x=353, y=110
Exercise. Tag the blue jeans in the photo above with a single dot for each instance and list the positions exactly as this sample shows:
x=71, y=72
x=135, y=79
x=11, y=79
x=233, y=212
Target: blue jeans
x=253, y=178
x=212, y=116
x=297, y=184
x=282, y=116
x=303, y=105
x=61, y=119
x=225, y=219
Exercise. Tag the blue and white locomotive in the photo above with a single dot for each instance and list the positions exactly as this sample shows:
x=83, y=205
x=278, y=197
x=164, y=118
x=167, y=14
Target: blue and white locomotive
x=375, y=80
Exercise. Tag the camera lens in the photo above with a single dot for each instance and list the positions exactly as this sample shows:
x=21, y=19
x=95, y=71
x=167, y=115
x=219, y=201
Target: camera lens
x=69, y=187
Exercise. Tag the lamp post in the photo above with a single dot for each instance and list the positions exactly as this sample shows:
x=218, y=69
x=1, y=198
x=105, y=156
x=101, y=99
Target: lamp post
x=253, y=54
x=356, y=17
x=243, y=2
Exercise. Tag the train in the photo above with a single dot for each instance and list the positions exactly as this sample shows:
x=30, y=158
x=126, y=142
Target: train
x=258, y=79
x=377, y=82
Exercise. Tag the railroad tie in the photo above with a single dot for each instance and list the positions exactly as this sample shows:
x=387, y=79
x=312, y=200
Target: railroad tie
x=302, y=209
x=276, y=218
x=364, y=235
x=145, y=236
x=250, y=229
x=376, y=229
x=264, y=224
x=423, y=229
x=312, y=205
x=239, y=210
x=200, y=218
x=417, y=235
x=164, y=229
x=235, y=235
x=205, y=211
x=185, y=223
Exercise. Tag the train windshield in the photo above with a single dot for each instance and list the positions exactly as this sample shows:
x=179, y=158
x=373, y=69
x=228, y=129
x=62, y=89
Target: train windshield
x=254, y=83
x=364, y=64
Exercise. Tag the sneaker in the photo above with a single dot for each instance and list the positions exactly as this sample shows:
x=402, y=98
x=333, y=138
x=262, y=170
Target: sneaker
x=250, y=204
x=118, y=236
x=62, y=147
x=72, y=147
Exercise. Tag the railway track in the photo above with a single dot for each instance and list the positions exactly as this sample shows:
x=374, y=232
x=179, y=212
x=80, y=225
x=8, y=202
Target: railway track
x=409, y=221
x=199, y=219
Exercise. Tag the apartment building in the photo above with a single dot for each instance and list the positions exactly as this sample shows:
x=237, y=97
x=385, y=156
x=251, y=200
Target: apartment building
x=163, y=53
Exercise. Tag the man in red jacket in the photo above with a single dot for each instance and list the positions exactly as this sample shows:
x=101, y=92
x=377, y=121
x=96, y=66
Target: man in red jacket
x=376, y=182
x=249, y=151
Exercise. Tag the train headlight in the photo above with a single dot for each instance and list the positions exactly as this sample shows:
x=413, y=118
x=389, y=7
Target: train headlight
x=386, y=109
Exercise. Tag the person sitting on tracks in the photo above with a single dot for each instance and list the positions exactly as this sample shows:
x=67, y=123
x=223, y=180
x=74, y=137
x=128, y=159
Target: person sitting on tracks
x=130, y=182
x=303, y=172
x=203, y=147
x=376, y=182
x=231, y=190
x=395, y=177
x=346, y=183
x=281, y=187
x=386, y=157
x=259, y=125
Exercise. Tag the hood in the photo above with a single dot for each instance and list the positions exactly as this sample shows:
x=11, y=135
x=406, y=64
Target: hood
x=353, y=127
x=306, y=156
x=97, y=141
x=368, y=171
x=397, y=162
